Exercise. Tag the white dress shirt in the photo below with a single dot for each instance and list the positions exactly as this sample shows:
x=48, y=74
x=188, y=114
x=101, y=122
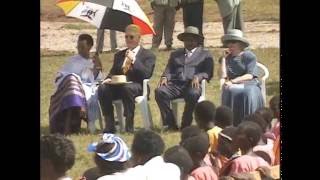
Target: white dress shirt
x=135, y=52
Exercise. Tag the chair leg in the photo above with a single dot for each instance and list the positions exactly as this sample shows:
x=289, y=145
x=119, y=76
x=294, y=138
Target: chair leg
x=150, y=115
x=175, y=112
x=101, y=118
x=145, y=114
x=119, y=111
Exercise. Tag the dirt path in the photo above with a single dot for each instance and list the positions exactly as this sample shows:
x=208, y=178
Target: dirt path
x=55, y=37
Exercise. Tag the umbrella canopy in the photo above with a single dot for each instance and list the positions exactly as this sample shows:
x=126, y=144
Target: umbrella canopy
x=108, y=14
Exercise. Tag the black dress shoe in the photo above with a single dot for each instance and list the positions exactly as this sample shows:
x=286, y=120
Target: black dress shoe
x=129, y=130
x=170, y=129
x=110, y=131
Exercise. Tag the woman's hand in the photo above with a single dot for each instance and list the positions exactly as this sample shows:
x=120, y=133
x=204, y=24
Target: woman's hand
x=227, y=83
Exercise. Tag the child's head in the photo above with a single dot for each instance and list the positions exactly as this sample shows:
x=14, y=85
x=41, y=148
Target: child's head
x=257, y=118
x=179, y=156
x=189, y=131
x=205, y=113
x=111, y=154
x=274, y=105
x=57, y=155
x=247, y=136
x=146, y=145
x=224, y=117
x=267, y=115
x=197, y=146
x=225, y=141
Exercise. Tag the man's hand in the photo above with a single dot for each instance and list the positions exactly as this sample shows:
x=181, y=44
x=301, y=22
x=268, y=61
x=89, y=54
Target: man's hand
x=106, y=81
x=163, y=82
x=130, y=55
x=96, y=61
x=195, y=82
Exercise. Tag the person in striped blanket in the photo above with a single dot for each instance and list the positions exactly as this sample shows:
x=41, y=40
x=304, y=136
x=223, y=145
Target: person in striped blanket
x=75, y=97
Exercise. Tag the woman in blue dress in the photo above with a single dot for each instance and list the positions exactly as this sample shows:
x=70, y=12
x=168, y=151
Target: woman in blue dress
x=240, y=85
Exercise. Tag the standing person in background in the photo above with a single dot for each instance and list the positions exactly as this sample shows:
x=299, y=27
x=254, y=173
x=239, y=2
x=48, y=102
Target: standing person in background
x=230, y=11
x=163, y=21
x=100, y=39
x=193, y=14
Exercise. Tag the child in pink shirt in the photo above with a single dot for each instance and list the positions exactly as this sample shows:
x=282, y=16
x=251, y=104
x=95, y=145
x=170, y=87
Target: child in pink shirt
x=247, y=136
x=197, y=147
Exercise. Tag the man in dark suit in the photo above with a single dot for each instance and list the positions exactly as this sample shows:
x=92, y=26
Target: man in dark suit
x=137, y=64
x=193, y=14
x=182, y=76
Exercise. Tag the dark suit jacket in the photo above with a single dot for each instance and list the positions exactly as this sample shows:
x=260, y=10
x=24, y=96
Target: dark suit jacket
x=141, y=69
x=200, y=64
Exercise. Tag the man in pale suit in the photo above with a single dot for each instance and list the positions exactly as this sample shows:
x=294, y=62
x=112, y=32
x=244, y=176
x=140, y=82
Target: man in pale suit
x=163, y=21
x=231, y=14
x=185, y=70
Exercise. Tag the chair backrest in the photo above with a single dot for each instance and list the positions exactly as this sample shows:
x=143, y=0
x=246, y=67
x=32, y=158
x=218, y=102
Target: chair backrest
x=263, y=72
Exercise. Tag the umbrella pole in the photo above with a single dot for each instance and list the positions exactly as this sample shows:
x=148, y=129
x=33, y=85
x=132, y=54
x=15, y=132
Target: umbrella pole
x=100, y=39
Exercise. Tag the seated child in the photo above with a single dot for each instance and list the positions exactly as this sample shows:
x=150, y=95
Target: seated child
x=265, y=146
x=247, y=136
x=111, y=155
x=224, y=148
x=147, y=162
x=179, y=156
x=205, y=113
x=57, y=156
x=224, y=117
x=197, y=147
x=192, y=131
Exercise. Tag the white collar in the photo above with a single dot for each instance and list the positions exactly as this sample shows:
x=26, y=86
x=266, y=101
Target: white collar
x=192, y=50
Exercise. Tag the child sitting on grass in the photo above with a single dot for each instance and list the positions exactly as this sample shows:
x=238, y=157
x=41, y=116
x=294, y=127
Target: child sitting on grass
x=224, y=117
x=111, y=155
x=179, y=156
x=197, y=147
x=247, y=136
x=205, y=113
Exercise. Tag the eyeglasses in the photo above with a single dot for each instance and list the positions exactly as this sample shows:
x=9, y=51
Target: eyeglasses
x=129, y=37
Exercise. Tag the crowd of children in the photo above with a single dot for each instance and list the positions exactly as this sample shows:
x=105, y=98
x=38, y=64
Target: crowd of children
x=211, y=150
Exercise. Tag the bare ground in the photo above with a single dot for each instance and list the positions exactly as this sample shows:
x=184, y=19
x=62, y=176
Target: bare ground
x=56, y=37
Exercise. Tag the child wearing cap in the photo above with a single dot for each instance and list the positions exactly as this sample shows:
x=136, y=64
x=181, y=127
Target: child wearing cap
x=111, y=155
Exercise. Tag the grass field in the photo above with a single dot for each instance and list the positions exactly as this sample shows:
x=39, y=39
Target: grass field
x=253, y=10
x=51, y=63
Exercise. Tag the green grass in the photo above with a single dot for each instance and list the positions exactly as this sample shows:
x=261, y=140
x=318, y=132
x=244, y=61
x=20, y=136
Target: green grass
x=253, y=10
x=50, y=65
x=78, y=26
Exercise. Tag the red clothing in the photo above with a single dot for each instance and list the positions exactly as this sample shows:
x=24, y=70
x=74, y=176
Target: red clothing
x=247, y=163
x=204, y=173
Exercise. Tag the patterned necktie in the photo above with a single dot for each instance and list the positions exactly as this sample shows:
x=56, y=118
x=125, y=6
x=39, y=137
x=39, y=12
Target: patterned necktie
x=127, y=66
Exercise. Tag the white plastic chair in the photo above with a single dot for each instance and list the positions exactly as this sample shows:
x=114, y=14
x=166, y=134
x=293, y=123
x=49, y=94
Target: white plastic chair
x=174, y=103
x=263, y=75
x=142, y=101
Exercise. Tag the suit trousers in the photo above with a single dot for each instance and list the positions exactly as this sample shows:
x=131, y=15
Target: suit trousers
x=164, y=20
x=163, y=96
x=127, y=93
x=233, y=20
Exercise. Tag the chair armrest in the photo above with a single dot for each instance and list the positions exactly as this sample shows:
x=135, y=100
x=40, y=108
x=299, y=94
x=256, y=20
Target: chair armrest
x=203, y=87
x=145, y=87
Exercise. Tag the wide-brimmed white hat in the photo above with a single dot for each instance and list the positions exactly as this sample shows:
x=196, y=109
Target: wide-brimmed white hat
x=190, y=31
x=234, y=35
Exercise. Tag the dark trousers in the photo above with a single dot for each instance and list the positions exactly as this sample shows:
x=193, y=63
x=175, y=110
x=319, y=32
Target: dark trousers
x=127, y=93
x=193, y=15
x=165, y=94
